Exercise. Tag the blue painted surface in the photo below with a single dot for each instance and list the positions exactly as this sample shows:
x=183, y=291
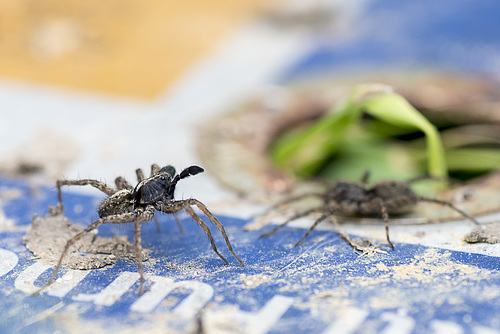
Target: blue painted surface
x=459, y=36
x=412, y=285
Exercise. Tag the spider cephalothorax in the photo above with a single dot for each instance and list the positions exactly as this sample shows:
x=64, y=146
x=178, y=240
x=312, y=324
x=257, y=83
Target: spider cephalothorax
x=161, y=187
x=126, y=204
x=383, y=198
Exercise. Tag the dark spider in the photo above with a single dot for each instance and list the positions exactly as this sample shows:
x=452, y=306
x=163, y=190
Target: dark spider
x=126, y=204
x=383, y=198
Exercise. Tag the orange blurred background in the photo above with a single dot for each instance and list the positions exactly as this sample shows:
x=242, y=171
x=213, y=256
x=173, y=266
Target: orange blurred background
x=120, y=47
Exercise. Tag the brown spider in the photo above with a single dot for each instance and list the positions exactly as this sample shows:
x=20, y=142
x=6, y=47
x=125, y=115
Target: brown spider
x=126, y=204
x=383, y=198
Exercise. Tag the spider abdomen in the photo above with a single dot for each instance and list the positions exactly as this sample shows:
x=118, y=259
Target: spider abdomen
x=118, y=203
x=396, y=196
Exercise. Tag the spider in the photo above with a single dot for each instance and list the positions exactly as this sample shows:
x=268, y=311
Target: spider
x=383, y=198
x=126, y=204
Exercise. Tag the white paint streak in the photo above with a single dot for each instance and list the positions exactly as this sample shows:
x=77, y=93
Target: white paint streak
x=347, y=322
x=8, y=260
x=112, y=292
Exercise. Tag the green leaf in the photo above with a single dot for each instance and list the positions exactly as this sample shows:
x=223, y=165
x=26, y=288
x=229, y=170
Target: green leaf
x=394, y=109
x=473, y=159
x=306, y=151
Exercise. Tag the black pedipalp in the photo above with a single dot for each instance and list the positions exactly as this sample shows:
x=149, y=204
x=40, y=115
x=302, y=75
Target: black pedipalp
x=190, y=171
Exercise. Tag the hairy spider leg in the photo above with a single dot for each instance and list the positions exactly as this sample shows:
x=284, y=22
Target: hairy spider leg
x=206, y=229
x=140, y=174
x=154, y=169
x=319, y=220
x=175, y=206
x=217, y=223
x=294, y=217
x=94, y=183
x=450, y=205
x=424, y=178
x=137, y=227
x=121, y=184
x=365, y=250
x=137, y=217
x=138, y=253
x=385, y=216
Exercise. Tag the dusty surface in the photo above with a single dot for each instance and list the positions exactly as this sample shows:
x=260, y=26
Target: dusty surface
x=48, y=154
x=48, y=235
x=381, y=284
x=488, y=234
x=6, y=195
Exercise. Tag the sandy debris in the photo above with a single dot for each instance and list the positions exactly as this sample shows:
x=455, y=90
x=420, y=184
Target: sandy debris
x=486, y=233
x=48, y=235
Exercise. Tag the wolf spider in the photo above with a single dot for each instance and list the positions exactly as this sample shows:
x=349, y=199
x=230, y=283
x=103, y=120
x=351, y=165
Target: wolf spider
x=383, y=198
x=126, y=204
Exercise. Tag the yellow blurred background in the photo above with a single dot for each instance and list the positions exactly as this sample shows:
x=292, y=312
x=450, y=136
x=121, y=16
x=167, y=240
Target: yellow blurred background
x=122, y=47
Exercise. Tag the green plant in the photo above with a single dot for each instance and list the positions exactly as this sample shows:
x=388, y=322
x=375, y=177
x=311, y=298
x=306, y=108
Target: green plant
x=306, y=151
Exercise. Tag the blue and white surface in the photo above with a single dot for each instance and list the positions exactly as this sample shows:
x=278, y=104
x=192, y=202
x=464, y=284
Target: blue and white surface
x=319, y=287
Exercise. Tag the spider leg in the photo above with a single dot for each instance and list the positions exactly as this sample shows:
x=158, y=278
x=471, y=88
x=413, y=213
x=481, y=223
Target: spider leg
x=290, y=200
x=140, y=174
x=138, y=217
x=179, y=225
x=365, y=250
x=175, y=206
x=69, y=243
x=94, y=183
x=424, y=178
x=448, y=204
x=319, y=220
x=154, y=169
x=217, y=223
x=157, y=223
x=138, y=253
x=294, y=217
x=385, y=216
x=205, y=228
x=365, y=177
x=121, y=183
